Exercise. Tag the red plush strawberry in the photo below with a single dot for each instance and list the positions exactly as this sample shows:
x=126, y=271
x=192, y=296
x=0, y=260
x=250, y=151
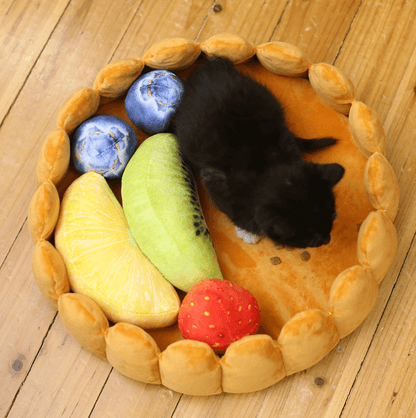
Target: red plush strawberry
x=218, y=313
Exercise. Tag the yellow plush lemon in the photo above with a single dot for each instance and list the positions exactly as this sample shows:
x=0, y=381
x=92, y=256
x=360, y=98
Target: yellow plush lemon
x=103, y=260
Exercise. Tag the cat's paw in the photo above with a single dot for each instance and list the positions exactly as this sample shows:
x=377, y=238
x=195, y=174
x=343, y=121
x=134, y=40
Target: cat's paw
x=247, y=237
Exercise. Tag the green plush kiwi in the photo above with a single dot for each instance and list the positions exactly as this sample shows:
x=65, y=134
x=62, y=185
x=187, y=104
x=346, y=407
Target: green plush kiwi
x=162, y=208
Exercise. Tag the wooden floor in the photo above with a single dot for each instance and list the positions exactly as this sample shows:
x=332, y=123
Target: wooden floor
x=48, y=50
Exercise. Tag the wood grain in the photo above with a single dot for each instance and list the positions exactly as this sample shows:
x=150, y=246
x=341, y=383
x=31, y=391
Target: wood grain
x=251, y=19
x=391, y=370
x=317, y=27
x=160, y=19
x=21, y=45
x=49, y=50
x=57, y=388
x=26, y=317
x=383, y=35
x=60, y=70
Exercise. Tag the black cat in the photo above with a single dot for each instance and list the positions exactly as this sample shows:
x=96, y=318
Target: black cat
x=232, y=131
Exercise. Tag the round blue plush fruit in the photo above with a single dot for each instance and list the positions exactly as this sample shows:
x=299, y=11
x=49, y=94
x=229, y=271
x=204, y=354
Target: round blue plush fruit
x=152, y=100
x=103, y=144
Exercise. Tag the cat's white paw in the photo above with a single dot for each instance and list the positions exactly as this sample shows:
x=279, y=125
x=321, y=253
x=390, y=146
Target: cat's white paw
x=247, y=237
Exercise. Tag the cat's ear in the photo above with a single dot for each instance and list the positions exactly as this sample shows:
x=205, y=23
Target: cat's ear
x=332, y=173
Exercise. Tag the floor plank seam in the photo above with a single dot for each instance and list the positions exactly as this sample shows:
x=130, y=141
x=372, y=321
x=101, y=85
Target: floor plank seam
x=348, y=31
x=378, y=325
x=31, y=366
x=124, y=34
x=263, y=400
x=176, y=406
x=32, y=68
x=210, y=10
x=397, y=95
x=8, y=10
x=401, y=172
x=13, y=244
x=101, y=391
x=362, y=362
x=278, y=22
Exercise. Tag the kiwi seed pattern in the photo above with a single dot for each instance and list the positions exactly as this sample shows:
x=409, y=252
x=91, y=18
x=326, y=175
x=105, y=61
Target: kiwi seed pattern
x=201, y=228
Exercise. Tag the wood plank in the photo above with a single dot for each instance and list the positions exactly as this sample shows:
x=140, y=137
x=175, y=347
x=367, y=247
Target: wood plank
x=26, y=317
x=390, y=365
x=317, y=27
x=65, y=380
x=377, y=50
x=250, y=19
x=44, y=371
x=82, y=25
x=123, y=397
x=400, y=112
x=160, y=19
x=21, y=42
x=245, y=405
x=323, y=389
x=80, y=46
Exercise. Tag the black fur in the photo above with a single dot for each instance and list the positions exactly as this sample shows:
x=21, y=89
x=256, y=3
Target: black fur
x=232, y=131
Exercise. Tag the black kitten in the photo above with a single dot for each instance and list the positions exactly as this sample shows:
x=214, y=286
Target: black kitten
x=232, y=131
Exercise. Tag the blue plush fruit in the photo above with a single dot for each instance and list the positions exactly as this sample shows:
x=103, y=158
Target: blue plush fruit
x=103, y=144
x=152, y=100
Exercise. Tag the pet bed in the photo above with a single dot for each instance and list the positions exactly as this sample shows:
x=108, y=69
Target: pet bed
x=309, y=298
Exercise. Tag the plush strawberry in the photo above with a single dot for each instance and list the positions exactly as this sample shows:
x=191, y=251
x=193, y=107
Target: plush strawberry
x=218, y=313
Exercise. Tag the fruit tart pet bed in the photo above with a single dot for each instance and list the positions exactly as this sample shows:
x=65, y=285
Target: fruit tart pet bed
x=309, y=298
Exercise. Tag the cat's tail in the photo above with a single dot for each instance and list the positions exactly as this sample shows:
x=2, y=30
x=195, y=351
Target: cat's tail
x=312, y=145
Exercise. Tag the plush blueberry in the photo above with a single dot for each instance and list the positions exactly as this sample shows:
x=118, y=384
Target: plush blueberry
x=152, y=99
x=103, y=144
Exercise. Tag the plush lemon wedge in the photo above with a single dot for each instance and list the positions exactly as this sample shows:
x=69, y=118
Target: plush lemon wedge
x=103, y=260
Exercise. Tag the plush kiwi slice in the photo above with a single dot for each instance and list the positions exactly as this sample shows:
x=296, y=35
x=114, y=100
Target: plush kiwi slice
x=162, y=208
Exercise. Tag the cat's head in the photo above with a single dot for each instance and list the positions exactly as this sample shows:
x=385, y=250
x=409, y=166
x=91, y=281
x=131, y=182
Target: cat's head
x=297, y=205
